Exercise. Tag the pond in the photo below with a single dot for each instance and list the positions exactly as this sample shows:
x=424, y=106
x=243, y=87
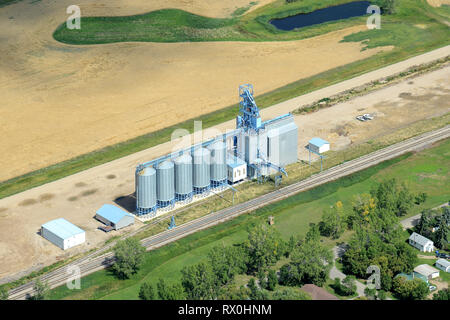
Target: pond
x=343, y=11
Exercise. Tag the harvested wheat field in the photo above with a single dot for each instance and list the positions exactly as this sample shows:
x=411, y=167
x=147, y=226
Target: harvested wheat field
x=60, y=101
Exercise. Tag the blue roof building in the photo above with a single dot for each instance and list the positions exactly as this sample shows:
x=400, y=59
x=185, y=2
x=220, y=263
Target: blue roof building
x=318, y=142
x=62, y=233
x=114, y=216
x=318, y=145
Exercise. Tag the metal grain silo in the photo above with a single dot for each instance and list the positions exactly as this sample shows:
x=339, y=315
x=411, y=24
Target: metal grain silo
x=201, y=171
x=218, y=163
x=183, y=177
x=145, y=190
x=165, y=183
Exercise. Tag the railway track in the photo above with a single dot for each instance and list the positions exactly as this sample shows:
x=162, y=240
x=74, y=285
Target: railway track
x=94, y=261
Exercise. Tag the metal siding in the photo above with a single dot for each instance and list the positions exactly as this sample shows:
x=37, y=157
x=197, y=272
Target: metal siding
x=251, y=146
x=102, y=219
x=288, y=145
x=124, y=222
x=146, y=188
x=53, y=238
x=218, y=161
x=201, y=170
x=283, y=144
x=165, y=181
x=183, y=174
x=262, y=143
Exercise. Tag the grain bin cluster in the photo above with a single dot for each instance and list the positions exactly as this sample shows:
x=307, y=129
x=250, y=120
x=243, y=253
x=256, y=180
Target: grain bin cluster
x=255, y=149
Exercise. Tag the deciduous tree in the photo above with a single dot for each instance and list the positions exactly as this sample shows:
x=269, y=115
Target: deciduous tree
x=333, y=224
x=200, y=282
x=146, y=292
x=129, y=254
x=264, y=247
x=170, y=291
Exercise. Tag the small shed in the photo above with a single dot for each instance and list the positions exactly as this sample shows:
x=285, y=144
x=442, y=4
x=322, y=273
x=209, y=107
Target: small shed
x=318, y=145
x=420, y=242
x=237, y=169
x=114, y=216
x=62, y=233
x=427, y=271
x=443, y=264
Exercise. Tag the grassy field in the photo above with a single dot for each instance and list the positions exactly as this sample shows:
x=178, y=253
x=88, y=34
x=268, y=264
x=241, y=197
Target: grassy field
x=426, y=170
x=408, y=42
x=174, y=25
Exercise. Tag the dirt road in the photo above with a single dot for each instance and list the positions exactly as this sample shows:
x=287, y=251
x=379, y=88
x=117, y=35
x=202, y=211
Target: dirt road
x=77, y=197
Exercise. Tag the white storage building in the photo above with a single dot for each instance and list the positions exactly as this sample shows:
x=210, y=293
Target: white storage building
x=114, y=217
x=318, y=145
x=237, y=169
x=420, y=242
x=443, y=264
x=427, y=271
x=62, y=233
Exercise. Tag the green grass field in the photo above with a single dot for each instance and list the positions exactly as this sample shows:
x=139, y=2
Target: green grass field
x=409, y=40
x=174, y=25
x=427, y=170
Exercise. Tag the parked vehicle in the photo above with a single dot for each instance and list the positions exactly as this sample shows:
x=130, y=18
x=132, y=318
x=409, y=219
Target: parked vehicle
x=106, y=228
x=367, y=116
x=432, y=288
x=361, y=118
x=442, y=255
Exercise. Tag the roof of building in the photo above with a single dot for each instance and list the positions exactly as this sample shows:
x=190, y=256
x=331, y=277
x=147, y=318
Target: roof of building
x=318, y=293
x=318, y=142
x=234, y=162
x=62, y=228
x=443, y=262
x=419, y=239
x=425, y=270
x=112, y=213
x=410, y=276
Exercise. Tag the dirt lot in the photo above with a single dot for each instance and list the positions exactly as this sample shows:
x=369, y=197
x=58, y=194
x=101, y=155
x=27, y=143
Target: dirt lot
x=438, y=3
x=60, y=101
x=392, y=107
x=77, y=197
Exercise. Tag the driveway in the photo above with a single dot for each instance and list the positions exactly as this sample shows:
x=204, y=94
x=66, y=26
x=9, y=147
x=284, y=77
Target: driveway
x=338, y=252
x=411, y=222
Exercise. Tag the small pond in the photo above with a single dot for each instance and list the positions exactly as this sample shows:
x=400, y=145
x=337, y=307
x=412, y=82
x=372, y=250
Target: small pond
x=343, y=11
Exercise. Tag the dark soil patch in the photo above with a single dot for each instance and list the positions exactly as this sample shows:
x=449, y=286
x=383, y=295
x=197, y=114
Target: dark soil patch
x=27, y=202
x=405, y=95
x=88, y=192
x=80, y=184
x=46, y=197
x=111, y=176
